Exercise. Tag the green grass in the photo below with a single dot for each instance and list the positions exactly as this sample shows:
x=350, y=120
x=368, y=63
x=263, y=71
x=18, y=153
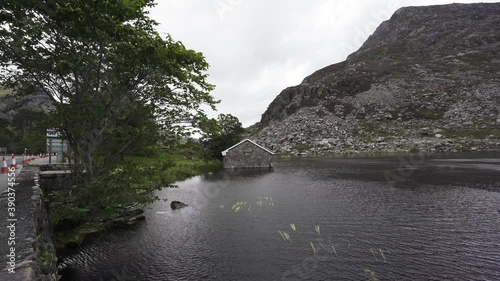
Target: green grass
x=370, y=131
x=183, y=167
x=178, y=158
x=302, y=147
x=429, y=114
x=4, y=93
x=46, y=259
x=478, y=133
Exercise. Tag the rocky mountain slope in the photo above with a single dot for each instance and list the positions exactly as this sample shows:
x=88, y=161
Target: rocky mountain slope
x=9, y=106
x=428, y=79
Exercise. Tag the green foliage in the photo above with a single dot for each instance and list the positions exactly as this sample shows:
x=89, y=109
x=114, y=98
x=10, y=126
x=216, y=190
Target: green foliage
x=47, y=259
x=129, y=183
x=26, y=130
x=67, y=210
x=138, y=133
x=370, y=131
x=74, y=237
x=113, y=79
x=302, y=147
x=191, y=149
x=7, y=138
x=188, y=162
x=429, y=114
x=115, y=84
x=4, y=123
x=220, y=134
x=477, y=132
x=95, y=207
x=5, y=93
x=126, y=184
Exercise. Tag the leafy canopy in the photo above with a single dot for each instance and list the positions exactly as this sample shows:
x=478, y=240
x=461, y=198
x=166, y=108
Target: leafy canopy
x=111, y=76
x=220, y=134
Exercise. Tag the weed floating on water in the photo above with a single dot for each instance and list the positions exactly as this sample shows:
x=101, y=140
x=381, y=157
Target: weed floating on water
x=335, y=251
x=316, y=228
x=383, y=256
x=238, y=205
x=285, y=236
x=373, y=254
x=372, y=275
x=312, y=246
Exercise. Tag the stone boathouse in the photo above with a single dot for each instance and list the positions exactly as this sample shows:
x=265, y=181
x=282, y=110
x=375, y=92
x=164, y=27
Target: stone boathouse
x=247, y=154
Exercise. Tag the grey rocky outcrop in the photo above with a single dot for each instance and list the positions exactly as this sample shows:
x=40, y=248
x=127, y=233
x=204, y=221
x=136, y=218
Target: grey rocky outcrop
x=428, y=79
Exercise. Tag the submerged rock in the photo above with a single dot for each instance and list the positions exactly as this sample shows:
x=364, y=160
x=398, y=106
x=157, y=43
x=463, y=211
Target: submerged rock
x=175, y=205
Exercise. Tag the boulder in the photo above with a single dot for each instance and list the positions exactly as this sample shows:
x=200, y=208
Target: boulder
x=175, y=205
x=424, y=132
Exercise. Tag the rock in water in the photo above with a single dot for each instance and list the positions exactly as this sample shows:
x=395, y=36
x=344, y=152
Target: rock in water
x=175, y=205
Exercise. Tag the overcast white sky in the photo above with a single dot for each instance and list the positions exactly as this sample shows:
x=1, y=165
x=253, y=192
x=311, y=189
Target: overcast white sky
x=257, y=48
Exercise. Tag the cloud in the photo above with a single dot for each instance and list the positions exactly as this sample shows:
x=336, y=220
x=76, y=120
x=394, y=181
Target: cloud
x=258, y=48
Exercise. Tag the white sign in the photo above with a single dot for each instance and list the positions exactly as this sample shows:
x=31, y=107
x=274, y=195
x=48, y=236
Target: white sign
x=53, y=133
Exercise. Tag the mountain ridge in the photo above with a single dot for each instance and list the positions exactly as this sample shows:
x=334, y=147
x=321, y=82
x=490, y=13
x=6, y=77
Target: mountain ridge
x=426, y=79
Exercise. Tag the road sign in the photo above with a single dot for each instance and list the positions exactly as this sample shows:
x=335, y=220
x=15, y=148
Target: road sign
x=54, y=133
x=55, y=143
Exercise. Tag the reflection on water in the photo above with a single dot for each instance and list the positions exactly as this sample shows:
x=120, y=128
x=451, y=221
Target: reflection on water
x=385, y=218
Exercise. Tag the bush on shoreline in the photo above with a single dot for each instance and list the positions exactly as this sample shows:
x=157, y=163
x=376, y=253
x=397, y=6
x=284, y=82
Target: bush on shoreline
x=128, y=187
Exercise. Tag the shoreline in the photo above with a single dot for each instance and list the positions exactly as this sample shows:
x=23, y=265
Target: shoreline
x=131, y=213
x=360, y=154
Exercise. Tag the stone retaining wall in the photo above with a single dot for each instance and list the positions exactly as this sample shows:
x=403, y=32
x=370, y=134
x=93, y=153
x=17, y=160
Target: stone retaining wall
x=46, y=266
x=34, y=249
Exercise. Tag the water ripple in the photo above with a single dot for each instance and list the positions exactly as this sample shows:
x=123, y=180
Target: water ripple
x=438, y=225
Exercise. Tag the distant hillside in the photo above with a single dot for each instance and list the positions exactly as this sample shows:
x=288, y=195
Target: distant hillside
x=37, y=103
x=427, y=79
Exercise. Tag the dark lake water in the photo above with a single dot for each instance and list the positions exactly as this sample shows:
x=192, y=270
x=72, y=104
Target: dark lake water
x=374, y=218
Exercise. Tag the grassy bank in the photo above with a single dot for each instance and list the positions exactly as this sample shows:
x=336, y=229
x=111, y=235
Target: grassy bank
x=183, y=167
x=118, y=198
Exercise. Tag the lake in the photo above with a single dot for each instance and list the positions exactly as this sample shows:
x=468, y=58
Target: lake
x=420, y=217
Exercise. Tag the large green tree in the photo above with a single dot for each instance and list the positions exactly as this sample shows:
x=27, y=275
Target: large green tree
x=107, y=70
x=220, y=134
x=26, y=129
x=29, y=128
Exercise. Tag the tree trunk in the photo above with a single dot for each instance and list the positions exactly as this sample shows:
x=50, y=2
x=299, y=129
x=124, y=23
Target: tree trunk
x=90, y=165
